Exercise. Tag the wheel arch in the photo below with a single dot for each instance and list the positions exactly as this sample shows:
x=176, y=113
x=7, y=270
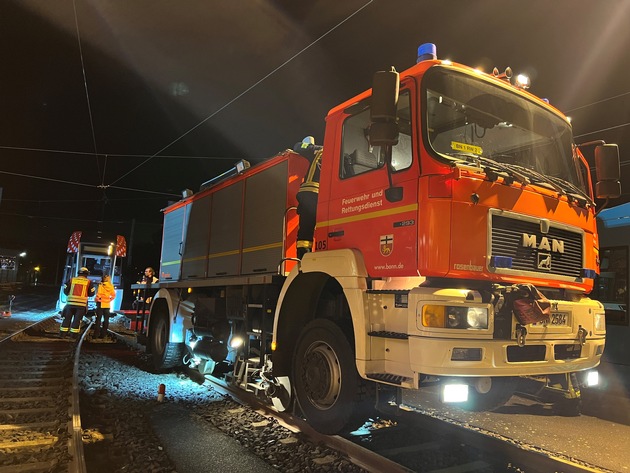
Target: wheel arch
x=328, y=286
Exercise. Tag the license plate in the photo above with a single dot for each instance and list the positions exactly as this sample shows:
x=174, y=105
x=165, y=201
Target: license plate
x=557, y=319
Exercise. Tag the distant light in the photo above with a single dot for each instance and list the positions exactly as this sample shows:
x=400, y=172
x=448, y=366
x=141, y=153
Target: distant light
x=592, y=378
x=23, y=254
x=179, y=89
x=36, y=268
x=455, y=393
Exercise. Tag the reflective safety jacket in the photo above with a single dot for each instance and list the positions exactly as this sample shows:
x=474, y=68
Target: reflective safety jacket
x=78, y=290
x=105, y=294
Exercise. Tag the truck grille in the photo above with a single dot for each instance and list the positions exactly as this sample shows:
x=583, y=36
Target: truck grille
x=507, y=240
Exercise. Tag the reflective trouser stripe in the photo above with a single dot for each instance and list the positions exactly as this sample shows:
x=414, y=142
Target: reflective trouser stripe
x=63, y=329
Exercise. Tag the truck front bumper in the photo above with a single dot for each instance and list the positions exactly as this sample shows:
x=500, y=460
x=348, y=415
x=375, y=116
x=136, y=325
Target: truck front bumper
x=465, y=357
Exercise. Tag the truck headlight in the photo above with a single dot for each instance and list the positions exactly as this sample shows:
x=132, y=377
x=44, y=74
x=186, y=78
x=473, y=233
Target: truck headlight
x=477, y=317
x=458, y=317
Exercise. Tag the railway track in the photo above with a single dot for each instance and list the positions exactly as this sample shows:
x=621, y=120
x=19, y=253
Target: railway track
x=40, y=423
x=41, y=428
x=411, y=442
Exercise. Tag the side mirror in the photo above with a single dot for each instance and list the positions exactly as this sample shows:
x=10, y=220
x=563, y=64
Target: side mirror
x=608, y=172
x=384, y=125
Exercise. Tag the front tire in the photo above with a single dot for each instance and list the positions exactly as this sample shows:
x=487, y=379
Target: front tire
x=164, y=353
x=326, y=384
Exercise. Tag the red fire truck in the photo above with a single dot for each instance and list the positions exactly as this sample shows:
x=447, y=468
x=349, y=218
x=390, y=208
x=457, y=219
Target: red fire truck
x=447, y=200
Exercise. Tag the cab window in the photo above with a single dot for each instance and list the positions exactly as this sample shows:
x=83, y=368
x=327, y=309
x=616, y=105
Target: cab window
x=359, y=157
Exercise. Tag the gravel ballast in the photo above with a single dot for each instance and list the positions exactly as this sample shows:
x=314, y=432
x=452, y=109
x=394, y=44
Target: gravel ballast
x=121, y=416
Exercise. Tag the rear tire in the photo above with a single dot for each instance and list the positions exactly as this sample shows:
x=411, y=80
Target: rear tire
x=164, y=354
x=327, y=387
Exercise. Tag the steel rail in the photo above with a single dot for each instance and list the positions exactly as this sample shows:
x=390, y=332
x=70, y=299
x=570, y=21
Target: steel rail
x=72, y=421
x=357, y=454
x=78, y=454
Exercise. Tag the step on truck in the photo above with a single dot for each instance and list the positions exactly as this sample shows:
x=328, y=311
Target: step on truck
x=444, y=233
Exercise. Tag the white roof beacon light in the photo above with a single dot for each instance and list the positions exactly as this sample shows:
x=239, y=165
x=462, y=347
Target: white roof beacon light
x=522, y=81
x=426, y=51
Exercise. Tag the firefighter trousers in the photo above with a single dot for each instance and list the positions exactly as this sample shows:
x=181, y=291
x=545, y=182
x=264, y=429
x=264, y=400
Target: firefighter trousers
x=100, y=331
x=72, y=316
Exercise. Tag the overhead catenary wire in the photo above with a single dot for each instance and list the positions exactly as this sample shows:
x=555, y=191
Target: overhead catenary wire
x=230, y=102
x=602, y=130
x=113, y=155
x=101, y=176
x=597, y=102
x=83, y=184
x=74, y=219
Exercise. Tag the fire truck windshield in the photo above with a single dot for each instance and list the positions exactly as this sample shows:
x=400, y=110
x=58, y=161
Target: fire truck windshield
x=473, y=120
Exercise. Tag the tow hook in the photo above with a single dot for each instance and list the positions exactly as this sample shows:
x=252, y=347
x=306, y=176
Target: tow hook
x=581, y=335
x=521, y=334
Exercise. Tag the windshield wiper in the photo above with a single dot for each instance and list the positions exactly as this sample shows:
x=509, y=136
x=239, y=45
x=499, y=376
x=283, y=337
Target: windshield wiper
x=576, y=192
x=539, y=178
x=490, y=166
x=561, y=186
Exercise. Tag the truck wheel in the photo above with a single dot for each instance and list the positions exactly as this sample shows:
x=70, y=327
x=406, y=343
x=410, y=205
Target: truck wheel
x=165, y=354
x=326, y=384
x=488, y=394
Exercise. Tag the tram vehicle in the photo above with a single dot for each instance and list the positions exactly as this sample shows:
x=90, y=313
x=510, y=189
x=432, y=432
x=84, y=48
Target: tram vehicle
x=100, y=258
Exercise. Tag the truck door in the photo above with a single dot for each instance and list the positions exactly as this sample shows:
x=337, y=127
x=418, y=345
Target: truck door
x=359, y=214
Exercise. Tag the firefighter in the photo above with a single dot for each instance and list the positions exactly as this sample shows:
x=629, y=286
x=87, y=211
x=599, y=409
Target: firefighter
x=77, y=290
x=308, y=194
x=104, y=296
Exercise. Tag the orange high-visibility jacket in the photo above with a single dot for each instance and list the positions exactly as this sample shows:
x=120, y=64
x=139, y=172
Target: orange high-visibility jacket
x=105, y=294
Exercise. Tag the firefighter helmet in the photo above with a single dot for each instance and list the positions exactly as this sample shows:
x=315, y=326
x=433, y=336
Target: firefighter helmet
x=84, y=271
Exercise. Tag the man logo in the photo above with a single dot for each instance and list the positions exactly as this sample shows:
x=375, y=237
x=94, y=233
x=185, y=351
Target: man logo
x=544, y=261
x=546, y=244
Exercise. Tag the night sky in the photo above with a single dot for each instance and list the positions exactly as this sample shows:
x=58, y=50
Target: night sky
x=109, y=109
